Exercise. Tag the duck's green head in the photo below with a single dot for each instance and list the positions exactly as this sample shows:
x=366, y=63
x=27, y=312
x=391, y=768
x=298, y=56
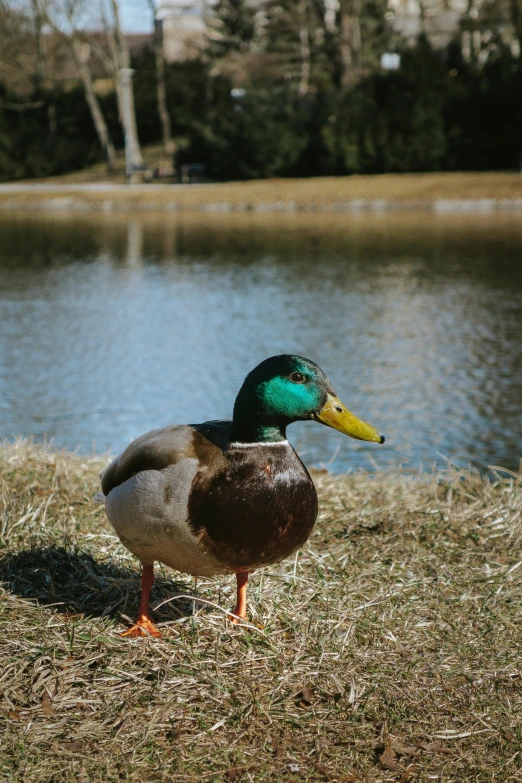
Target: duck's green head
x=288, y=388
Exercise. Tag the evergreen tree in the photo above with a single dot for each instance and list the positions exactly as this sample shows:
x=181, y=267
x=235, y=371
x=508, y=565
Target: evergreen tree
x=231, y=28
x=293, y=34
x=361, y=35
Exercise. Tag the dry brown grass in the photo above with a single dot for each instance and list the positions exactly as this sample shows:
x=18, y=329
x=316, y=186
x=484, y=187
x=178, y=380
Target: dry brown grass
x=389, y=650
x=336, y=194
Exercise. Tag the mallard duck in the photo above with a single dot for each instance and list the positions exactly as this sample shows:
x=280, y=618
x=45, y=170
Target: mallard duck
x=225, y=497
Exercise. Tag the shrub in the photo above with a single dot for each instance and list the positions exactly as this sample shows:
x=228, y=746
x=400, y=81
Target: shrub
x=262, y=134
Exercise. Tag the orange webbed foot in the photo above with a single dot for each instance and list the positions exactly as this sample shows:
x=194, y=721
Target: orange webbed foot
x=239, y=619
x=144, y=627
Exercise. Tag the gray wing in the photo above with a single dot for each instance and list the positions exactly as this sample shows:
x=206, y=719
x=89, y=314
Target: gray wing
x=165, y=447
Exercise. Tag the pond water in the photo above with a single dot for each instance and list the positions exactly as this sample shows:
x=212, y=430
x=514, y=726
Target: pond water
x=114, y=324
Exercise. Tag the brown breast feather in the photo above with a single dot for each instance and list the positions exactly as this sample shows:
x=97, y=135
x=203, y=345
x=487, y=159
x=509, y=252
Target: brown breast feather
x=253, y=507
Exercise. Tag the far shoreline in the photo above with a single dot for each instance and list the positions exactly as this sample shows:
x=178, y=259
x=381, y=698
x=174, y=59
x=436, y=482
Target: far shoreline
x=438, y=193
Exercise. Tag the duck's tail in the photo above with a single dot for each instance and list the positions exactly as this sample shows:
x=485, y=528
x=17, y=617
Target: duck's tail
x=99, y=496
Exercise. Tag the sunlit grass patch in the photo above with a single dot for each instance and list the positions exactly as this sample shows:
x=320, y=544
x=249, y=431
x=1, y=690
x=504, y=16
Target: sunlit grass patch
x=416, y=191
x=387, y=650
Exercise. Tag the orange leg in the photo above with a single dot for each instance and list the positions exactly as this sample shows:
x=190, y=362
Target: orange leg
x=240, y=608
x=144, y=625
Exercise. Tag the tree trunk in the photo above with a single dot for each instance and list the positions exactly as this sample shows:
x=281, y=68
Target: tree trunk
x=38, y=20
x=98, y=119
x=422, y=14
x=350, y=42
x=133, y=156
x=113, y=66
x=516, y=21
x=161, y=90
x=123, y=80
x=345, y=49
x=305, y=52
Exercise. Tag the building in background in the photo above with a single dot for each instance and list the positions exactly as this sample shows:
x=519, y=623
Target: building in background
x=184, y=27
x=441, y=21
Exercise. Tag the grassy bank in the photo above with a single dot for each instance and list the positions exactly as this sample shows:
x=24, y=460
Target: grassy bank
x=389, y=650
x=444, y=192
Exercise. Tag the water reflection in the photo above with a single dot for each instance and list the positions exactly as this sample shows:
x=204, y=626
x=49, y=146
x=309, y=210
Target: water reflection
x=111, y=325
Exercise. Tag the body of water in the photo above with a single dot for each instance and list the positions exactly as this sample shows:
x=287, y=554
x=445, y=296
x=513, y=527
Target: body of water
x=111, y=325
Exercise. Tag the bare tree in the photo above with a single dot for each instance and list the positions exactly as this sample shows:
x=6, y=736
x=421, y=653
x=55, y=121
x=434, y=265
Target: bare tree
x=39, y=13
x=122, y=73
x=305, y=51
x=27, y=57
x=81, y=54
x=516, y=21
x=65, y=18
x=350, y=42
x=290, y=32
x=161, y=87
x=16, y=49
x=498, y=25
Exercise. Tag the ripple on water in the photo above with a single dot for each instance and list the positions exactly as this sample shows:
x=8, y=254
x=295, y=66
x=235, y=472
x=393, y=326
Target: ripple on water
x=113, y=325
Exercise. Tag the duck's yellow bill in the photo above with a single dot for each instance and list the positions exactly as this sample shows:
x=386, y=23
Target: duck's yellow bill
x=334, y=414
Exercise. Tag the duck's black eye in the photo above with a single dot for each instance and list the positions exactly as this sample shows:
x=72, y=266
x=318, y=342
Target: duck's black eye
x=297, y=377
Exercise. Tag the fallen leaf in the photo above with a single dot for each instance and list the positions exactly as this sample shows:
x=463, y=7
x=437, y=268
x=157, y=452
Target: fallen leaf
x=436, y=747
x=387, y=757
x=47, y=707
x=277, y=748
x=401, y=749
x=235, y=772
x=74, y=746
x=408, y=773
x=305, y=697
x=14, y=715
